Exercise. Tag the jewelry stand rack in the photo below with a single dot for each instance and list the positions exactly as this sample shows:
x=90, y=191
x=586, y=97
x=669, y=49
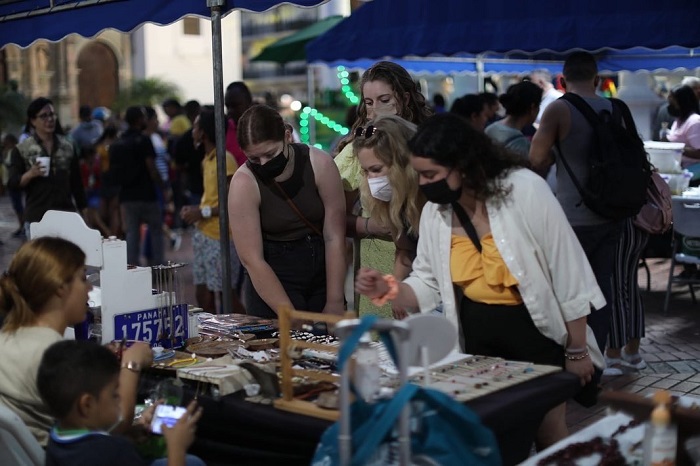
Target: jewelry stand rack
x=287, y=345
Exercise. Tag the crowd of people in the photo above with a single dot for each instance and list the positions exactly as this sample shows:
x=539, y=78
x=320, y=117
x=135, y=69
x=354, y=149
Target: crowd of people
x=453, y=212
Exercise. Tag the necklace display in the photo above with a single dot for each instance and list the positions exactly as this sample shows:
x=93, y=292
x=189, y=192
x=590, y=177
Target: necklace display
x=608, y=449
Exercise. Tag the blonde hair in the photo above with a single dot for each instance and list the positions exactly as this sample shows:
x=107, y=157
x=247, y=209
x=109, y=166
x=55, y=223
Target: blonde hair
x=390, y=145
x=38, y=269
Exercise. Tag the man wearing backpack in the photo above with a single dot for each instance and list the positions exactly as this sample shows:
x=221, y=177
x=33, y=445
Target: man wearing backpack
x=564, y=128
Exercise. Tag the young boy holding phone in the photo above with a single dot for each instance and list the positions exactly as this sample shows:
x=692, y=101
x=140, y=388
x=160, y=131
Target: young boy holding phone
x=79, y=382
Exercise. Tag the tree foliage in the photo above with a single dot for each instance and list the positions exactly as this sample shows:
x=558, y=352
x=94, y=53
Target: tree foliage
x=149, y=91
x=13, y=108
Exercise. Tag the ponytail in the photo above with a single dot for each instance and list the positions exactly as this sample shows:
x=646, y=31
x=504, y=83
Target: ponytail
x=13, y=306
x=37, y=271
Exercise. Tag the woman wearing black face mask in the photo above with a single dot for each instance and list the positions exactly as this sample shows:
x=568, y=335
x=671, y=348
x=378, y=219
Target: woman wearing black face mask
x=287, y=213
x=683, y=106
x=497, y=252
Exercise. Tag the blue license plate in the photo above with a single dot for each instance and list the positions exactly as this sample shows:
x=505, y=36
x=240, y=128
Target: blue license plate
x=153, y=326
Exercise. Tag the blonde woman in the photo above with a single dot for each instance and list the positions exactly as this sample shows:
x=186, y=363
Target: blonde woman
x=389, y=187
x=44, y=291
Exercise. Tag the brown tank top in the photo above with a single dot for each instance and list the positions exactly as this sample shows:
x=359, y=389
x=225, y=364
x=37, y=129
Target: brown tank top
x=278, y=221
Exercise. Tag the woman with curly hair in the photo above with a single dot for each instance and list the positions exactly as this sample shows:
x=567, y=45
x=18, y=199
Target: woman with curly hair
x=497, y=252
x=386, y=89
x=389, y=187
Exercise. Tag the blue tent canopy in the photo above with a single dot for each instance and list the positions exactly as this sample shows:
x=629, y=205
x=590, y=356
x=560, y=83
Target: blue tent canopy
x=24, y=21
x=545, y=30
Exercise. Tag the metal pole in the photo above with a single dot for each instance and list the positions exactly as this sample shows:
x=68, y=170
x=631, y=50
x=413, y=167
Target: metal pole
x=480, y=72
x=311, y=97
x=216, y=7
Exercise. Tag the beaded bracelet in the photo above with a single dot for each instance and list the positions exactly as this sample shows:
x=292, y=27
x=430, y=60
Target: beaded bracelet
x=391, y=293
x=576, y=357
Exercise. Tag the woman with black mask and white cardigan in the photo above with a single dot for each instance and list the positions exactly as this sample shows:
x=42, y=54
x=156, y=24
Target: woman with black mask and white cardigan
x=493, y=230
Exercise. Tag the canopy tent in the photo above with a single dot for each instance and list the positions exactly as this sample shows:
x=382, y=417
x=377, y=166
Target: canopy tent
x=293, y=47
x=506, y=36
x=25, y=21
x=22, y=22
x=521, y=30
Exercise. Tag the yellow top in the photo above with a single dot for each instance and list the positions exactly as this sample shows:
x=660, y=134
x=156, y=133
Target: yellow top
x=210, y=197
x=484, y=277
x=349, y=168
x=179, y=125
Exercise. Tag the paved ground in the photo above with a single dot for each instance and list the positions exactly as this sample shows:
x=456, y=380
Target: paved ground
x=671, y=346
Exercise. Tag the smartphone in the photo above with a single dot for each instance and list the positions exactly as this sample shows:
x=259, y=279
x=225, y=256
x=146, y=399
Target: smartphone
x=166, y=414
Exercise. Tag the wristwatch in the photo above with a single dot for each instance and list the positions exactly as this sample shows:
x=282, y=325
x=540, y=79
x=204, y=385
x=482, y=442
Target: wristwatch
x=133, y=366
x=206, y=211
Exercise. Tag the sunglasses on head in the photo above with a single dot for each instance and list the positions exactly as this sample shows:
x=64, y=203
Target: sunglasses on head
x=366, y=132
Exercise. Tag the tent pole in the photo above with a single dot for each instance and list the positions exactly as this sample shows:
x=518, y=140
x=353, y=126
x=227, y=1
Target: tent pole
x=216, y=7
x=311, y=98
x=480, y=73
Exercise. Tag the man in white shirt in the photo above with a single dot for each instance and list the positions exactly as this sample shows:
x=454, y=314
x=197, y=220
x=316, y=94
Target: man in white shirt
x=543, y=78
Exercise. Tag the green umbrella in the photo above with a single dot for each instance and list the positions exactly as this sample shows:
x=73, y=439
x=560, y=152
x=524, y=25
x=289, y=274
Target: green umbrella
x=292, y=47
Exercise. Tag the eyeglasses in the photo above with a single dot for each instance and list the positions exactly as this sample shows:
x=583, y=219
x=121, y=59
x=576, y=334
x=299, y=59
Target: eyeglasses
x=47, y=116
x=366, y=132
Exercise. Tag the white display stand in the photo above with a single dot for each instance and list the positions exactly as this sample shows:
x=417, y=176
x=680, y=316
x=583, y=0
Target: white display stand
x=126, y=292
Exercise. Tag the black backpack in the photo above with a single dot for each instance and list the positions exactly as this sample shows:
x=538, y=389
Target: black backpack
x=619, y=169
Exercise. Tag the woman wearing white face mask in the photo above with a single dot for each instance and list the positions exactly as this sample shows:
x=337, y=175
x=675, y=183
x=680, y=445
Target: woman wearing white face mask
x=389, y=188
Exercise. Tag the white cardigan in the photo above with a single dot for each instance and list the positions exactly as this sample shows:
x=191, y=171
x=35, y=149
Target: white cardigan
x=539, y=248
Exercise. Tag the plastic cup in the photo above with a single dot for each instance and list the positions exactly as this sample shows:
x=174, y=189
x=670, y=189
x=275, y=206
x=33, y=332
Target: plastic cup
x=45, y=163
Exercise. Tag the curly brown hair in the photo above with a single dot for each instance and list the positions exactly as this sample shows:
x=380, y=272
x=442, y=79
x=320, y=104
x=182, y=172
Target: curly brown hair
x=413, y=108
x=449, y=140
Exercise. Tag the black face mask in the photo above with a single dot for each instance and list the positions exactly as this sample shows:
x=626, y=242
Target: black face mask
x=440, y=192
x=674, y=111
x=272, y=169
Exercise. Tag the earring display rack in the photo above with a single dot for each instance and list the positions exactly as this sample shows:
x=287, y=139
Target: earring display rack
x=288, y=345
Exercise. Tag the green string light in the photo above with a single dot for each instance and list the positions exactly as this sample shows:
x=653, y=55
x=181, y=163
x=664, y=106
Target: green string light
x=309, y=112
x=343, y=76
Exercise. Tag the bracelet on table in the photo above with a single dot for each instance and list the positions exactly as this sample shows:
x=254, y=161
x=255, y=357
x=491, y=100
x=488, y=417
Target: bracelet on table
x=576, y=350
x=576, y=357
x=391, y=293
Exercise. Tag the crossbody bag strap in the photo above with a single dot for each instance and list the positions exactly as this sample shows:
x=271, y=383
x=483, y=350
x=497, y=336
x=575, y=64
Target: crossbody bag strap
x=467, y=225
x=296, y=209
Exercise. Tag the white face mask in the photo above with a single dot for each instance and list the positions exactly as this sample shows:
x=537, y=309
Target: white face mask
x=380, y=188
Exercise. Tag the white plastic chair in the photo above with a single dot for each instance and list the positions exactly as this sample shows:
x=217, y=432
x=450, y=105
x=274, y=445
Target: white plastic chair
x=18, y=447
x=686, y=223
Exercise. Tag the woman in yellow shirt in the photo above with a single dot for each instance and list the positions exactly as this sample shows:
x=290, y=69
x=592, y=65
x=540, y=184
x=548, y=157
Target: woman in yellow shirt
x=494, y=230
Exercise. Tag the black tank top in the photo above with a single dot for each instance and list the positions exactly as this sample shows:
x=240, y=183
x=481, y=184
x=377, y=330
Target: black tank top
x=278, y=221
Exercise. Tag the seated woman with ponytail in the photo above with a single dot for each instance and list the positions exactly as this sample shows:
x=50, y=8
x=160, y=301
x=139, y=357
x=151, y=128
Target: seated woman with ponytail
x=44, y=291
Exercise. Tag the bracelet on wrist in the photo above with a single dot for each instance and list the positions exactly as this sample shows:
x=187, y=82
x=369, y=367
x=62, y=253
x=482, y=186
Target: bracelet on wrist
x=576, y=357
x=367, y=233
x=391, y=293
x=575, y=350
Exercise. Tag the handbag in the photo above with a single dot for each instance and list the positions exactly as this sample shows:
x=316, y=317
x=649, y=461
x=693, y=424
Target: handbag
x=443, y=431
x=656, y=216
